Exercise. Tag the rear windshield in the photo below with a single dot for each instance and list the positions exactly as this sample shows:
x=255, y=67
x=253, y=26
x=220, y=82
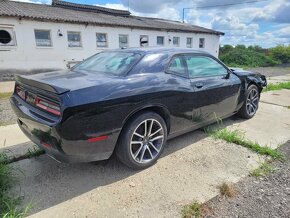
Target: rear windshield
x=114, y=63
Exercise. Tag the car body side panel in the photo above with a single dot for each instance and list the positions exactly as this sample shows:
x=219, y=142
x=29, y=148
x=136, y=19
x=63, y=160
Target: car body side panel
x=217, y=97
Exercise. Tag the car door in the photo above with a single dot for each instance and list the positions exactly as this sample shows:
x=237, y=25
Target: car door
x=216, y=89
x=179, y=101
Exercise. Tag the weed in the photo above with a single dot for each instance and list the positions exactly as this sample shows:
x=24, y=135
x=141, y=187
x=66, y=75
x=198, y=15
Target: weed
x=227, y=190
x=278, y=86
x=193, y=210
x=34, y=152
x=5, y=95
x=263, y=170
x=8, y=202
x=237, y=137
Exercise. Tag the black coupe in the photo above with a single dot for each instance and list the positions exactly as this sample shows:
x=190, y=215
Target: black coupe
x=130, y=101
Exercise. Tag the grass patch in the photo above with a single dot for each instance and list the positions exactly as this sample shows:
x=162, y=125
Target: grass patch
x=227, y=190
x=288, y=107
x=32, y=152
x=237, y=137
x=278, y=86
x=8, y=203
x=5, y=95
x=192, y=210
x=263, y=170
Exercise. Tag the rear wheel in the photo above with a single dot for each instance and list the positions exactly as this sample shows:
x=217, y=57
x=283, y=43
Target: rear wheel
x=142, y=141
x=251, y=103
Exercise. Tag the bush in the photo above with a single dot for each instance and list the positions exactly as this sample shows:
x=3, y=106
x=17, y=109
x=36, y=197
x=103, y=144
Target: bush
x=241, y=56
x=254, y=56
x=281, y=53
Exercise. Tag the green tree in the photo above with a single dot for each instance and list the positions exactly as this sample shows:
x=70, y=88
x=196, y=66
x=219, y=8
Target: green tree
x=281, y=53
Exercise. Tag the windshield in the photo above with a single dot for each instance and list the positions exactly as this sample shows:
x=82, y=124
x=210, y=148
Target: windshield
x=114, y=63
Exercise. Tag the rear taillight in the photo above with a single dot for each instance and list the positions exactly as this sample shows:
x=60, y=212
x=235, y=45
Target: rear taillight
x=20, y=92
x=47, y=106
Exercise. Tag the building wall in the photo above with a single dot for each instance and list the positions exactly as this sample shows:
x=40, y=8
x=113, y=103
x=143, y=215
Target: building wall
x=27, y=56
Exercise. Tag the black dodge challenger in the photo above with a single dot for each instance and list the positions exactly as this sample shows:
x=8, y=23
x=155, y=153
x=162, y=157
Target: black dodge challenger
x=130, y=101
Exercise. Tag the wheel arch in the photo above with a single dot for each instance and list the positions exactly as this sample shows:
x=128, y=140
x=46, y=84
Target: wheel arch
x=159, y=109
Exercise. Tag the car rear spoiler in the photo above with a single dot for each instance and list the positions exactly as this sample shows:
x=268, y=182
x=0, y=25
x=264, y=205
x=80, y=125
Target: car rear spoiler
x=41, y=85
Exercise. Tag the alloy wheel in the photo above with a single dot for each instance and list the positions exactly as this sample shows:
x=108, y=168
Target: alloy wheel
x=252, y=102
x=147, y=141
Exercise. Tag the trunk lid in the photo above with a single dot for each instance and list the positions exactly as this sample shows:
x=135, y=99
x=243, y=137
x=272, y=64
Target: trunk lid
x=60, y=82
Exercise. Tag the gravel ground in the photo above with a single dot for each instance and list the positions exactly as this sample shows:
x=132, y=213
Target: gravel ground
x=7, y=115
x=272, y=71
x=258, y=197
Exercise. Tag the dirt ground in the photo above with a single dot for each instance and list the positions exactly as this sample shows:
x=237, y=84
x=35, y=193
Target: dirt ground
x=191, y=169
x=260, y=197
x=7, y=116
x=272, y=71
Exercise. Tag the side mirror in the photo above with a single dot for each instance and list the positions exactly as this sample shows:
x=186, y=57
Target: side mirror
x=227, y=76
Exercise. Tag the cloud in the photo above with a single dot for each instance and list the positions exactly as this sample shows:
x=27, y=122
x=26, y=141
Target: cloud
x=282, y=14
x=164, y=12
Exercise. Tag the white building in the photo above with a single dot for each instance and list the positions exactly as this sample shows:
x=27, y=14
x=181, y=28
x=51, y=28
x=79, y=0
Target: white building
x=38, y=36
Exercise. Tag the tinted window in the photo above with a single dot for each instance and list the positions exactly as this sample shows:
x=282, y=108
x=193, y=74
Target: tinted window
x=114, y=63
x=203, y=66
x=176, y=66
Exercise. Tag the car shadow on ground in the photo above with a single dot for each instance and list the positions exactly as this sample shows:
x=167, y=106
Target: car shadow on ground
x=46, y=183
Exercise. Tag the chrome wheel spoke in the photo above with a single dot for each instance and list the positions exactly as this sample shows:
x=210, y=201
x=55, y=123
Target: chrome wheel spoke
x=150, y=143
x=139, y=135
x=156, y=138
x=151, y=155
x=142, y=155
x=145, y=128
x=138, y=151
x=150, y=128
x=136, y=142
x=155, y=132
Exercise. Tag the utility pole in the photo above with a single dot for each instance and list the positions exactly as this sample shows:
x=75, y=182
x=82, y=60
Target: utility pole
x=183, y=12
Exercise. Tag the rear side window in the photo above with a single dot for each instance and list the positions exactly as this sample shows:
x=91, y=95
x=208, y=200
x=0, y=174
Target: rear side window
x=114, y=63
x=176, y=66
x=200, y=66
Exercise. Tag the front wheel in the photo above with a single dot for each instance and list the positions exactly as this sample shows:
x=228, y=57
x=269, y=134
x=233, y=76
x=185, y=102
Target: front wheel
x=142, y=141
x=251, y=103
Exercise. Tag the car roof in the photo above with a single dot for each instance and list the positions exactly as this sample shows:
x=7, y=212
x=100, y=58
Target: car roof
x=160, y=50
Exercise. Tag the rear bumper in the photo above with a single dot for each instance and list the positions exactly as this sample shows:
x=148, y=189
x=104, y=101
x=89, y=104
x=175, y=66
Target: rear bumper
x=49, y=137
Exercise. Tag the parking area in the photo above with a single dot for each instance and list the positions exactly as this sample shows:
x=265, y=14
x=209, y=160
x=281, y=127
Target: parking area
x=191, y=168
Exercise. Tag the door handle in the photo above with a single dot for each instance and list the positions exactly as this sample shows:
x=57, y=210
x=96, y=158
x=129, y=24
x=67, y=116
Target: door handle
x=199, y=85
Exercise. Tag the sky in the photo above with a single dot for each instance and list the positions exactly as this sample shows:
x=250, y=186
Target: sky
x=250, y=22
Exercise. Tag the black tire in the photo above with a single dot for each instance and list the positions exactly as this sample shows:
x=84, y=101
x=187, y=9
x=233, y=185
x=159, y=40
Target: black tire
x=244, y=111
x=124, y=150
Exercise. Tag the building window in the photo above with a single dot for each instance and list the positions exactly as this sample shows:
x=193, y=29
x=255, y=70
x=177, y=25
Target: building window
x=7, y=37
x=188, y=42
x=102, y=40
x=43, y=38
x=160, y=40
x=201, y=42
x=144, y=40
x=176, y=41
x=123, y=41
x=74, y=39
